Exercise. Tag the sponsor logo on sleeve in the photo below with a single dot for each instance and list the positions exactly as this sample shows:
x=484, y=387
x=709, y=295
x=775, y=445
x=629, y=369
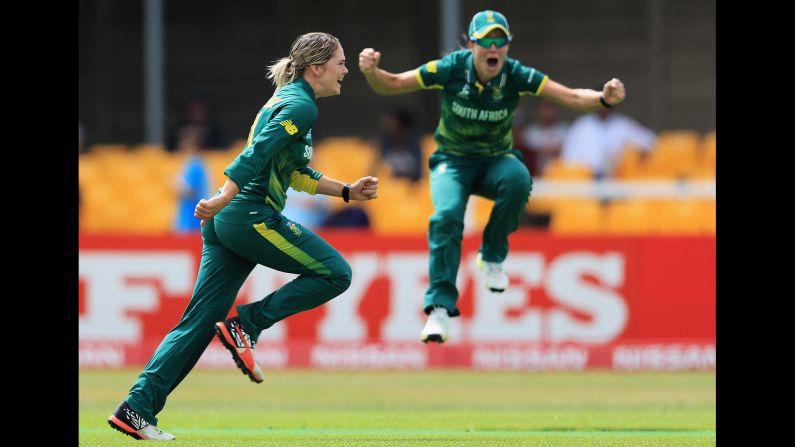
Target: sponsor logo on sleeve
x=289, y=127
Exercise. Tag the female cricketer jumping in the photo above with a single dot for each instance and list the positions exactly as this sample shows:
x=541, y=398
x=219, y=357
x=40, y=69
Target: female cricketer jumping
x=242, y=226
x=480, y=88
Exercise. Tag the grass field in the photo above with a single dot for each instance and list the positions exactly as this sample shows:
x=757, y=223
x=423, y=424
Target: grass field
x=417, y=408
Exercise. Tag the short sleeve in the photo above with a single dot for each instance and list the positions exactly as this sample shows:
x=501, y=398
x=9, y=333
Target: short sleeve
x=435, y=73
x=528, y=80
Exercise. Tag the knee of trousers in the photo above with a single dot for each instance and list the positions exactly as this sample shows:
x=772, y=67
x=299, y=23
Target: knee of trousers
x=516, y=184
x=340, y=276
x=448, y=222
x=517, y=188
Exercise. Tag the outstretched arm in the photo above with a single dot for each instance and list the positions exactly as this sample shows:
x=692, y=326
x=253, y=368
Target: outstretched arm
x=584, y=99
x=382, y=81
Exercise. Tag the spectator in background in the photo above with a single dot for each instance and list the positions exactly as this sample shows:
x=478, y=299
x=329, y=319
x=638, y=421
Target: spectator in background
x=196, y=114
x=597, y=140
x=400, y=146
x=543, y=138
x=193, y=183
x=348, y=217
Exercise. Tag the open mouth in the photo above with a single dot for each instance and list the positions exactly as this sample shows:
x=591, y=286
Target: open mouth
x=492, y=62
x=339, y=81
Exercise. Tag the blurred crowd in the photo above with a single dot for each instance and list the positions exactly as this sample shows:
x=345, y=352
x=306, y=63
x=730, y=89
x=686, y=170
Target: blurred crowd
x=594, y=146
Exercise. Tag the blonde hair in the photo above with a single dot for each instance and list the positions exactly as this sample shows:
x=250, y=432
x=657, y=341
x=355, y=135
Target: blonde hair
x=308, y=49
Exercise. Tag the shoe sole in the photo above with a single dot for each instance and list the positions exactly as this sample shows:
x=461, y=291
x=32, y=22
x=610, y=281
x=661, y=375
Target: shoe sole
x=434, y=338
x=496, y=290
x=117, y=424
x=220, y=330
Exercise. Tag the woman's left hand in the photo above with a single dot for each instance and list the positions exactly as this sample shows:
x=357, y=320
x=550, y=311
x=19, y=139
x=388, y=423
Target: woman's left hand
x=366, y=188
x=614, y=92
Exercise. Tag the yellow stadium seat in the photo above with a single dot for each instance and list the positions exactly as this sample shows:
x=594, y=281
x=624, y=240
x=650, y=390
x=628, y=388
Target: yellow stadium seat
x=706, y=160
x=88, y=171
x=675, y=154
x=629, y=166
x=421, y=191
x=343, y=159
x=678, y=216
x=167, y=169
x=480, y=213
x=632, y=217
x=429, y=146
x=147, y=149
x=578, y=216
x=559, y=170
x=708, y=210
x=216, y=162
x=104, y=149
x=155, y=219
x=397, y=211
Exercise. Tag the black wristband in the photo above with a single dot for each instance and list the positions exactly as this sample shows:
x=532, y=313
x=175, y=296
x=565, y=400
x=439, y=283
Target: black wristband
x=604, y=103
x=346, y=193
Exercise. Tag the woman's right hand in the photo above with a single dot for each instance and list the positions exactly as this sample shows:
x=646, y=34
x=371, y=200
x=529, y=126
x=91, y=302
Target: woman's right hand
x=207, y=208
x=368, y=60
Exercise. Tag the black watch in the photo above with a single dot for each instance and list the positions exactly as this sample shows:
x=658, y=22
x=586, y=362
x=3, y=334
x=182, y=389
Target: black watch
x=346, y=193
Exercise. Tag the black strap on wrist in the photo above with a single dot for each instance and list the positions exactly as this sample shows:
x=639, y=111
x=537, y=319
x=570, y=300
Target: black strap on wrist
x=346, y=193
x=604, y=103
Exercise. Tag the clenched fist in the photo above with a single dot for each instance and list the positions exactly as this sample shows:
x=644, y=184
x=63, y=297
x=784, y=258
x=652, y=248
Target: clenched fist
x=613, y=92
x=368, y=60
x=366, y=188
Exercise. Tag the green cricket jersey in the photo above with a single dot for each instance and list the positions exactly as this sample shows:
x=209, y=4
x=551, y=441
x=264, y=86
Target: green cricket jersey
x=276, y=156
x=477, y=120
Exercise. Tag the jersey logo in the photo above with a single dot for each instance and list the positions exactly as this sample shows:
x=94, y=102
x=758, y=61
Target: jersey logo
x=490, y=16
x=496, y=93
x=308, y=152
x=431, y=66
x=289, y=127
x=294, y=228
x=271, y=102
x=464, y=93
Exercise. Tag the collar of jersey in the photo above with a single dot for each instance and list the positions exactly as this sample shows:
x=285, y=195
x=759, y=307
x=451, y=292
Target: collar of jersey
x=300, y=81
x=472, y=78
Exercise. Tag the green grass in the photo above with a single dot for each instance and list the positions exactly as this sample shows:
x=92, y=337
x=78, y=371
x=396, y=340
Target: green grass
x=417, y=408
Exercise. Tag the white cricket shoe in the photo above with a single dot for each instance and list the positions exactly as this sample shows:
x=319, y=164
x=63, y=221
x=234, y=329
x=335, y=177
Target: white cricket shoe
x=494, y=276
x=435, y=329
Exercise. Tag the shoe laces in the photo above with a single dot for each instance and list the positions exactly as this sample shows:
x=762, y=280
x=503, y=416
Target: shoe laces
x=235, y=324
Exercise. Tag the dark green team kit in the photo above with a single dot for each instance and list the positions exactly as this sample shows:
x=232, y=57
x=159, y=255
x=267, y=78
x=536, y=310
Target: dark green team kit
x=475, y=156
x=249, y=231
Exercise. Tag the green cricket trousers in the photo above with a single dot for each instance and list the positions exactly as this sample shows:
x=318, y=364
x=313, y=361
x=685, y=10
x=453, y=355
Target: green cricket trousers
x=502, y=178
x=229, y=254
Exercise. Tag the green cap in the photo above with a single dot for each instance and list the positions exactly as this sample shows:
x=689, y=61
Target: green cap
x=483, y=22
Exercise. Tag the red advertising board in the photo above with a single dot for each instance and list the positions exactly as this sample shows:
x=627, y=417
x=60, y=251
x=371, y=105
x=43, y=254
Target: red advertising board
x=574, y=302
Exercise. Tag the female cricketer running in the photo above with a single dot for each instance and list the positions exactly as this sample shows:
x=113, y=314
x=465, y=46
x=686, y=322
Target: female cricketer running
x=480, y=88
x=242, y=226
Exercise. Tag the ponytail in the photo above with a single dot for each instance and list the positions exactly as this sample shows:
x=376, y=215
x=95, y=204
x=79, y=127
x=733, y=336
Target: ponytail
x=282, y=72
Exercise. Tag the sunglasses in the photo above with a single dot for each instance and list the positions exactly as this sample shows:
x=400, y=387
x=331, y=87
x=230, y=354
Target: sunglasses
x=487, y=42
